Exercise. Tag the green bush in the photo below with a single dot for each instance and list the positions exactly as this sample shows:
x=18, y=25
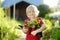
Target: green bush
x=47, y=32
x=55, y=34
x=51, y=33
x=7, y=28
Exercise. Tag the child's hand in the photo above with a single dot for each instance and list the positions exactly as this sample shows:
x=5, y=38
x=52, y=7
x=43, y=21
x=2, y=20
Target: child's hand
x=34, y=33
x=25, y=30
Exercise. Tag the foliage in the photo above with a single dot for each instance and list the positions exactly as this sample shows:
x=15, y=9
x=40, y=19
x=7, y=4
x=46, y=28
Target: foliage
x=1, y=3
x=51, y=33
x=55, y=34
x=33, y=23
x=47, y=32
x=7, y=28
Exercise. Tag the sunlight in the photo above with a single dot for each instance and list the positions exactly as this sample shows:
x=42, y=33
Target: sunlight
x=2, y=0
x=56, y=14
x=51, y=3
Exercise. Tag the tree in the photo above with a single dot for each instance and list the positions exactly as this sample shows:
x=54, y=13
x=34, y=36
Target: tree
x=44, y=9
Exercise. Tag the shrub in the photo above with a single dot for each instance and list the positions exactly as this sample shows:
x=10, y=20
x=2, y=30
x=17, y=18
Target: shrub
x=7, y=28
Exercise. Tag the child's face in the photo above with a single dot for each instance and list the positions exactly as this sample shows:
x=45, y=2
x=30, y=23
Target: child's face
x=31, y=14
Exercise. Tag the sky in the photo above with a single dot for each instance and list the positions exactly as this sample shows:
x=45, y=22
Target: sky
x=51, y=3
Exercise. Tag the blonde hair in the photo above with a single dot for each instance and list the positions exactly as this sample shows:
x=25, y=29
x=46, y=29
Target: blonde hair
x=32, y=7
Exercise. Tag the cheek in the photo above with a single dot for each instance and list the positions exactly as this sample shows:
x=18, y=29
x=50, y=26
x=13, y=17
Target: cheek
x=28, y=16
x=36, y=14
